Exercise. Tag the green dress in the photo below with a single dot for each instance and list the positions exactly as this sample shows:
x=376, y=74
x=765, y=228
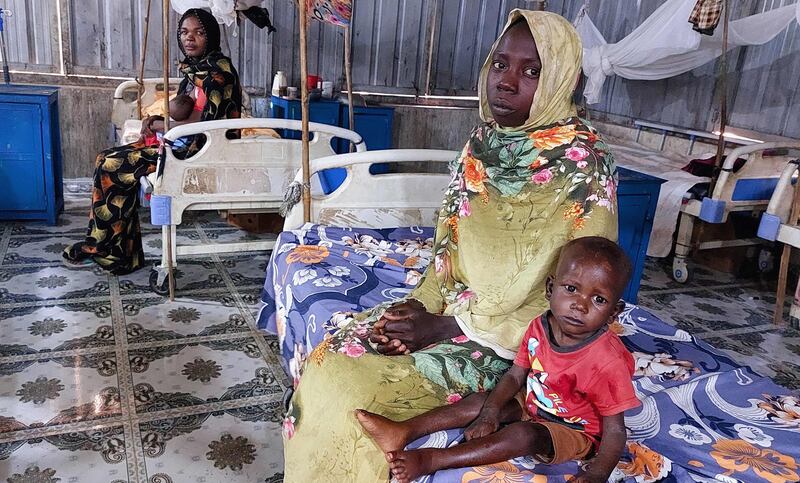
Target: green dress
x=515, y=199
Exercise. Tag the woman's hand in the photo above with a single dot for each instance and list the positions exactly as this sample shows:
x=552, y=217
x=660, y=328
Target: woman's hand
x=408, y=327
x=151, y=125
x=485, y=424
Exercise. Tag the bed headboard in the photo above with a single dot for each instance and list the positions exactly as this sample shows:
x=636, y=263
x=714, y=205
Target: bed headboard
x=377, y=201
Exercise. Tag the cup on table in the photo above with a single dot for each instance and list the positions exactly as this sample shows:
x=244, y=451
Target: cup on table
x=327, y=89
x=311, y=81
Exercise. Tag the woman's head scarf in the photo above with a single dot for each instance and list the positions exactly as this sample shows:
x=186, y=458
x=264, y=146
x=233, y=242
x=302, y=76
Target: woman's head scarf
x=211, y=27
x=561, y=53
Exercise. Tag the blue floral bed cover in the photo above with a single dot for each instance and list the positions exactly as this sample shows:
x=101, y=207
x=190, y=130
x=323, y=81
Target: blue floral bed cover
x=703, y=417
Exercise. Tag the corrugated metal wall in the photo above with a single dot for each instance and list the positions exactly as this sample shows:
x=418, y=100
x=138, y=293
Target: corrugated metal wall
x=31, y=35
x=397, y=42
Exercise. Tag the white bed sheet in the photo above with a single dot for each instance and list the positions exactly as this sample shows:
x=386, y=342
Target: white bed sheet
x=665, y=166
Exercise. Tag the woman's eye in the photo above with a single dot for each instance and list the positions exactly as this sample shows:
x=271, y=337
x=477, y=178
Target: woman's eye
x=531, y=72
x=201, y=33
x=498, y=65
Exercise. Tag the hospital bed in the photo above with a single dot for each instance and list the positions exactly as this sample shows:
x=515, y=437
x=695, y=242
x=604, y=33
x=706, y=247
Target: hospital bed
x=404, y=199
x=250, y=174
x=745, y=188
x=775, y=224
x=367, y=246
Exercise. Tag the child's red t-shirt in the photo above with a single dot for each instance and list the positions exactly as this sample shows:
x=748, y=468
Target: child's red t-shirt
x=578, y=385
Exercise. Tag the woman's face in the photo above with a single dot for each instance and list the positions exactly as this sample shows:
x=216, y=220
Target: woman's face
x=193, y=37
x=513, y=76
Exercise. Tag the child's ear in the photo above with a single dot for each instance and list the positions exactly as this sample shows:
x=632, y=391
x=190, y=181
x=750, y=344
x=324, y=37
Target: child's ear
x=548, y=287
x=617, y=310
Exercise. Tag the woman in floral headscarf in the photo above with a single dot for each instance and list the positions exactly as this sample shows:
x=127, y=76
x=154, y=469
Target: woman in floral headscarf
x=113, y=240
x=531, y=177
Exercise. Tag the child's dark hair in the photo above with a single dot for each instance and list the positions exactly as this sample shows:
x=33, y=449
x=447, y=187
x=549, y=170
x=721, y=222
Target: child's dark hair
x=605, y=250
x=183, y=99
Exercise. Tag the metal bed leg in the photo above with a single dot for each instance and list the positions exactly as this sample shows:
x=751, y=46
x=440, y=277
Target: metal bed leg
x=683, y=247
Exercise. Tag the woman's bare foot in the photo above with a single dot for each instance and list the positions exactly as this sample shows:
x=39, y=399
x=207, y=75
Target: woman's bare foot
x=407, y=466
x=387, y=434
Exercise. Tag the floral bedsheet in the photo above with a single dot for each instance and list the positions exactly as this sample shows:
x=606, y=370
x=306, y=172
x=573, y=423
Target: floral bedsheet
x=703, y=417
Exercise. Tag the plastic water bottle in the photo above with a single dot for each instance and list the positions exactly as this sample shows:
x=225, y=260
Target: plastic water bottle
x=279, y=84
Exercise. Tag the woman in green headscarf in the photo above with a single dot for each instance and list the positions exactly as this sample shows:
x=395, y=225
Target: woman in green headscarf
x=531, y=177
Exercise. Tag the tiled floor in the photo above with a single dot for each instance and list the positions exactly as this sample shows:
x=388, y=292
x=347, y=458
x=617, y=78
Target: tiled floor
x=101, y=380
x=734, y=316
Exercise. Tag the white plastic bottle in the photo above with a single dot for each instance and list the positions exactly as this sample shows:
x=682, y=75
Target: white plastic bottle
x=279, y=84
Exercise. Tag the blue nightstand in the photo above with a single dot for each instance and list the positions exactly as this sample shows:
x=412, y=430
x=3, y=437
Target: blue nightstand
x=374, y=124
x=637, y=197
x=30, y=154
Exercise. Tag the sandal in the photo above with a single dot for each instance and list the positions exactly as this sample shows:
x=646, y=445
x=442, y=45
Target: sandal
x=68, y=259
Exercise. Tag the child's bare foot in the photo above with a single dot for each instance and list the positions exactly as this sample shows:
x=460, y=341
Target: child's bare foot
x=407, y=466
x=387, y=434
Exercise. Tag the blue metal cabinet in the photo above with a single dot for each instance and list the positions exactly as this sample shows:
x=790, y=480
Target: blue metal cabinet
x=374, y=124
x=322, y=111
x=637, y=197
x=30, y=154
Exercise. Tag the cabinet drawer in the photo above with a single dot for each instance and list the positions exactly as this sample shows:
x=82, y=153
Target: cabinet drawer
x=21, y=158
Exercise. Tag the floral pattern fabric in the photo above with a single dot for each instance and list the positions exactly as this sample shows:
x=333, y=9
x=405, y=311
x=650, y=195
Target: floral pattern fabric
x=336, y=12
x=703, y=417
x=539, y=188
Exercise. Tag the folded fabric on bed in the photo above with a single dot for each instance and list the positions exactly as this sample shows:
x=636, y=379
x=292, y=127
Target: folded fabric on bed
x=703, y=417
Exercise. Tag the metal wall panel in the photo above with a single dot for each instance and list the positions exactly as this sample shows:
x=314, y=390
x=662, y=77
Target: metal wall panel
x=768, y=80
x=31, y=35
x=392, y=50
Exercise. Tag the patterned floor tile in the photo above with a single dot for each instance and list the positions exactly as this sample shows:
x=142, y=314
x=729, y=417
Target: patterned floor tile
x=59, y=391
x=186, y=375
x=230, y=235
x=75, y=457
x=152, y=241
x=25, y=284
x=190, y=274
x=657, y=276
x=100, y=307
x=236, y=445
x=182, y=318
x=247, y=269
x=72, y=221
x=56, y=328
x=37, y=248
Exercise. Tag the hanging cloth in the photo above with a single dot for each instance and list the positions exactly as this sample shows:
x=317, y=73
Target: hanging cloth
x=705, y=16
x=665, y=45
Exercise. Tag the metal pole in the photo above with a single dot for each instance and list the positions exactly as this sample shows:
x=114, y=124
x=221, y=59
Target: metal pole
x=165, y=61
x=143, y=55
x=303, y=16
x=348, y=67
x=3, y=51
x=723, y=98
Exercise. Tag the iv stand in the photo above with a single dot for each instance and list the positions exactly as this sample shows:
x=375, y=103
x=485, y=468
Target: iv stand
x=3, y=51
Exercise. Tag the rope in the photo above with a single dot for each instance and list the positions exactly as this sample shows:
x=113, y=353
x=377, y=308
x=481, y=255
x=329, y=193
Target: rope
x=292, y=196
x=140, y=78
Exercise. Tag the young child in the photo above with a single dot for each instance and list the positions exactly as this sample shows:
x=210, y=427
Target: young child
x=180, y=108
x=576, y=374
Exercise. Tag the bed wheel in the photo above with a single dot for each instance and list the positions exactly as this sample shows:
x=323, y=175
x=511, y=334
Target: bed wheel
x=680, y=270
x=161, y=288
x=766, y=260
